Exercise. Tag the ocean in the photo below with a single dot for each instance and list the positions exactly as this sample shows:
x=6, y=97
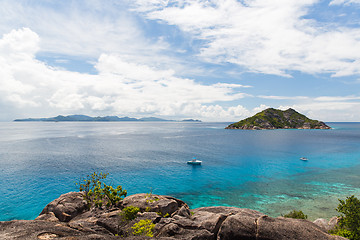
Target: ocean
x=260, y=170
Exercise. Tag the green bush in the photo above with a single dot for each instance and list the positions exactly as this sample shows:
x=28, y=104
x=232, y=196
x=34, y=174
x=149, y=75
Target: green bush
x=143, y=228
x=129, y=213
x=96, y=193
x=163, y=215
x=349, y=220
x=296, y=214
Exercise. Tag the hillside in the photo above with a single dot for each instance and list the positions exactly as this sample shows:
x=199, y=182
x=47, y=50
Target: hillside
x=84, y=118
x=277, y=119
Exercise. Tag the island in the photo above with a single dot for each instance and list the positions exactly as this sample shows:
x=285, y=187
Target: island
x=85, y=118
x=277, y=119
x=191, y=120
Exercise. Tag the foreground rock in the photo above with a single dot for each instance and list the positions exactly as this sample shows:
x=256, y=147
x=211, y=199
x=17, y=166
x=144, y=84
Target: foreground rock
x=68, y=218
x=276, y=119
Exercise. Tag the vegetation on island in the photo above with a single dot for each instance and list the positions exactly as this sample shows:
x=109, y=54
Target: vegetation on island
x=296, y=214
x=97, y=193
x=144, y=227
x=349, y=219
x=129, y=213
x=277, y=119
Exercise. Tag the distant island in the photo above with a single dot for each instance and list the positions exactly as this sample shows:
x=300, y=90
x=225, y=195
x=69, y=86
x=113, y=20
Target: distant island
x=85, y=118
x=191, y=120
x=277, y=119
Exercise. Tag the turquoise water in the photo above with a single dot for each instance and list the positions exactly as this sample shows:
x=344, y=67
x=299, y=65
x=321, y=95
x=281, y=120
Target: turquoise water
x=260, y=170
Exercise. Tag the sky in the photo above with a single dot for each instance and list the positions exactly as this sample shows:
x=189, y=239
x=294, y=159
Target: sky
x=214, y=60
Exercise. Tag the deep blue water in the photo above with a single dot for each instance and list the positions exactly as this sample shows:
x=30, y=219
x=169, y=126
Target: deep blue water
x=252, y=169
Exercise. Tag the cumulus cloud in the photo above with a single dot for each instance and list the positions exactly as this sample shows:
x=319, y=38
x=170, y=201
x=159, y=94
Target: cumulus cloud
x=80, y=28
x=120, y=87
x=329, y=111
x=271, y=37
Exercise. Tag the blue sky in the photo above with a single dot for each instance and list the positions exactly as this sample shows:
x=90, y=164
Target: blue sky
x=213, y=60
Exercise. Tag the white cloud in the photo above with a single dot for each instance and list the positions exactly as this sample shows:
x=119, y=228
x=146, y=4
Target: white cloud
x=346, y=2
x=336, y=98
x=120, y=87
x=80, y=28
x=329, y=111
x=270, y=37
x=284, y=97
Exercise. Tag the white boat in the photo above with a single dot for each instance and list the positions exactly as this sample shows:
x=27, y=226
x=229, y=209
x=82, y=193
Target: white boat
x=194, y=161
x=304, y=159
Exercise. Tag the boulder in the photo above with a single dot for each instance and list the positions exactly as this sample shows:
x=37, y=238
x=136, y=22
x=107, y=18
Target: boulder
x=66, y=207
x=154, y=203
x=327, y=225
x=333, y=223
x=38, y=229
x=241, y=225
x=290, y=228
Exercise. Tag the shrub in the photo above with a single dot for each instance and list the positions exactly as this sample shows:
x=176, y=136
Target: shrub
x=296, y=214
x=129, y=213
x=349, y=220
x=150, y=198
x=143, y=228
x=163, y=215
x=96, y=193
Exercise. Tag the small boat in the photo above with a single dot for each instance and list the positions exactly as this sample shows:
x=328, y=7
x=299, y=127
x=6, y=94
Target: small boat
x=194, y=161
x=303, y=159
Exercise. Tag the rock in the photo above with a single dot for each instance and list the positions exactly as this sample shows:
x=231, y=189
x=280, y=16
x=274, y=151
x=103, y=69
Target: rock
x=153, y=203
x=66, y=207
x=184, y=211
x=327, y=225
x=290, y=228
x=211, y=218
x=241, y=225
x=333, y=223
x=68, y=218
x=38, y=229
x=50, y=216
x=321, y=222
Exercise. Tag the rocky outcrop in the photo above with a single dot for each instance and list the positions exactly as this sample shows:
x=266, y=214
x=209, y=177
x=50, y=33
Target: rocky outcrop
x=327, y=225
x=154, y=203
x=64, y=208
x=277, y=119
x=68, y=218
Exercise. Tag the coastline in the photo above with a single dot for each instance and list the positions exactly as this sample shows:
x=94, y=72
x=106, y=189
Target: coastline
x=163, y=217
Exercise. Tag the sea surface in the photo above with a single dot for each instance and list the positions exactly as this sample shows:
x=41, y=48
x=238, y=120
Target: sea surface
x=260, y=170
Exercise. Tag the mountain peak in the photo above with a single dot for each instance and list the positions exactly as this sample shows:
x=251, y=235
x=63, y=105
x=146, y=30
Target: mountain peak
x=272, y=118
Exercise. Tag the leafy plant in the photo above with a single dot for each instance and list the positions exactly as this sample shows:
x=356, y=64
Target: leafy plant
x=129, y=213
x=163, y=215
x=349, y=220
x=143, y=228
x=150, y=198
x=96, y=193
x=296, y=214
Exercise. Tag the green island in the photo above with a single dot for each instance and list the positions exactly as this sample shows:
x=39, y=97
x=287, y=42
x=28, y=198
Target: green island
x=277, y=119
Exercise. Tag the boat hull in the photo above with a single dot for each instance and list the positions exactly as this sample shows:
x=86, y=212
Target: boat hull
x=194, y=162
